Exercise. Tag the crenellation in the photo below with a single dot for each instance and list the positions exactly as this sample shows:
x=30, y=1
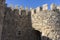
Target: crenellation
x=53, y=7
x=38, y=9
x=20, y=10
x=23, y=12
x=45, y=7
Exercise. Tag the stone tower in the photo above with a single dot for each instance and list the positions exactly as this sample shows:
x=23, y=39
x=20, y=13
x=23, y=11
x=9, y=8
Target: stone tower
x=2, y=6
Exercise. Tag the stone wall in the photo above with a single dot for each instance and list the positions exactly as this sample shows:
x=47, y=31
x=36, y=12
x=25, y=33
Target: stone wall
x=47, y=22
x=2, y=10
x=17, y=27
x=1, y=20
x=21, y=24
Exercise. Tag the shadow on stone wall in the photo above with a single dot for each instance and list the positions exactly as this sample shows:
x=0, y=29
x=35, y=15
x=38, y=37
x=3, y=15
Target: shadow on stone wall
x=39, y=35
x=45, y=38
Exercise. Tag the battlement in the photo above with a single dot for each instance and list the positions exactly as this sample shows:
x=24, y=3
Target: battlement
x=36, y=10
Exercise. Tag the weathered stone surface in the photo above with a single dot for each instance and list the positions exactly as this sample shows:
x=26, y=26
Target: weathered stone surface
x=24, y=24
x=45, y=7
x=47, y=22
x=17, y=27
x=2, y=10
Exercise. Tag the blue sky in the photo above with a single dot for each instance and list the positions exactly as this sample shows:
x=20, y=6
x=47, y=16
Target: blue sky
x=32, y=3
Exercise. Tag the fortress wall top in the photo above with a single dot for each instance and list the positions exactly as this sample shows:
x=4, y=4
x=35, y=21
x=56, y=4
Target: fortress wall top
x=37, y=10
x=44, y=7
x=20, y=10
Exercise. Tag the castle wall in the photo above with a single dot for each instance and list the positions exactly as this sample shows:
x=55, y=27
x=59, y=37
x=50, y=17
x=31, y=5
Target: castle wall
x=8, y=23
x=2, y=10
x=20, y=24
x=1, y=20
x=46, y=22
x=17, y=26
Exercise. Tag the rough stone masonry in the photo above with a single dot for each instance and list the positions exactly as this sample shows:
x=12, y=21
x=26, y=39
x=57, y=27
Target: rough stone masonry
x=29, y=24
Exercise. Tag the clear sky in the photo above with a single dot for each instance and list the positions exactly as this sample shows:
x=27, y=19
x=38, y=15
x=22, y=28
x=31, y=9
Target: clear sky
x=32, y=3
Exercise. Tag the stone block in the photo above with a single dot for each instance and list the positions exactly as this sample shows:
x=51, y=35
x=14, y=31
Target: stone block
x=45, y=7
x=53, y=7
